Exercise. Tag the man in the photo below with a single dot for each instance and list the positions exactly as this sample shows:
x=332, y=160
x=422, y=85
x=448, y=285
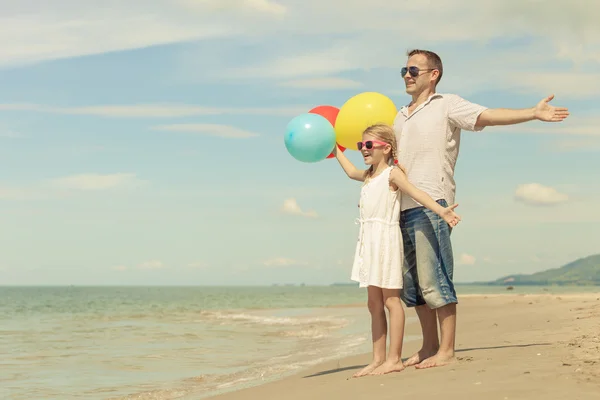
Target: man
x=428, y=134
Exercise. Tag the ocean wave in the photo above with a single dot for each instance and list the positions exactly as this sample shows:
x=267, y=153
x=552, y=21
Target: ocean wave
x=225, y=317
x=254, y=373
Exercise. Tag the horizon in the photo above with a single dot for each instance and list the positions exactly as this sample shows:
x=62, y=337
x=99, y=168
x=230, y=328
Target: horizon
x=143, y=143
x=297, y=284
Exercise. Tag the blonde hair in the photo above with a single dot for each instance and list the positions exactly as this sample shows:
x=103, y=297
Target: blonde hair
x=386, y=134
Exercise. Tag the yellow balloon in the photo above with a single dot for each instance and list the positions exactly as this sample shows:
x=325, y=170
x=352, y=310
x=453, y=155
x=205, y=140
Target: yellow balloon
x=360, y=112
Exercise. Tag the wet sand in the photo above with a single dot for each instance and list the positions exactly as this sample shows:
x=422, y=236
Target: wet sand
x=508, y=347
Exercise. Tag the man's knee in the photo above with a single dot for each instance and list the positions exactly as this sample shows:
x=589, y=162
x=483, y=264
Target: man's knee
x=435, y=262
x=436, y=288
x=438, y=299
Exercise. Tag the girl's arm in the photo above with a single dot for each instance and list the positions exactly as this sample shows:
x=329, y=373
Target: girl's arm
x=349, y=168
x=398, y=178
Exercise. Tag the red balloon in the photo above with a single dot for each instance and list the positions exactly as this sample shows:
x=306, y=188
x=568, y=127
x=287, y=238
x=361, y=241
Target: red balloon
x=331, y=113
x=328, y=112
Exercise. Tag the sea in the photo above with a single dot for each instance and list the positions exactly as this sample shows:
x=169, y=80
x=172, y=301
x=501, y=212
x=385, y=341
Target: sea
x=178, y=342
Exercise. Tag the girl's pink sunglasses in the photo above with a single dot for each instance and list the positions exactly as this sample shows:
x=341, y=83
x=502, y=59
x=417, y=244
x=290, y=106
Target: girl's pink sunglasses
x=369, y=144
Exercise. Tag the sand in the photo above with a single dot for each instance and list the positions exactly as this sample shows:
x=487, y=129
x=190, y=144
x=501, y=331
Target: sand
x=508, y=347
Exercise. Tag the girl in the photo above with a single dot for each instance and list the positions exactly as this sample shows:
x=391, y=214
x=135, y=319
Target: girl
x=379, y=252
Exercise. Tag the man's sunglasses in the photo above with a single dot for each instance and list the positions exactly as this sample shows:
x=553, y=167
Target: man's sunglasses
x=414, y=71
x=369, y=144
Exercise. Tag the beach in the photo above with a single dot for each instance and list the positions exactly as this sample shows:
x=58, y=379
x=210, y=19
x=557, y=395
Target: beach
x=509, y=346
x=286, y=342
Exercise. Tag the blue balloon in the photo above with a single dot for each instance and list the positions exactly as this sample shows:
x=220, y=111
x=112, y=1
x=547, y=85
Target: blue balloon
x=309, y=137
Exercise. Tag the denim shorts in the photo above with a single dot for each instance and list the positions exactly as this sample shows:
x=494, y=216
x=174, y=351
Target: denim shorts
x=428, y=261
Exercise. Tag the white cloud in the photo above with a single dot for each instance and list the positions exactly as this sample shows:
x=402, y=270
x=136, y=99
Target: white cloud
x=32, y=31
x=96, y=181
x=466, y=259
x=537, y=194
x=224, y=131
x=265, y=6
x=471, y=20
x=537, y=74
x=120, y=268
x=290, y=206
x=282, y=262
x=16, y=193
x=322, y=83
x=151, y=264
x=154, y=110
x=573, y=125
x=365, y=52
x=332, y=59
x=464, y=26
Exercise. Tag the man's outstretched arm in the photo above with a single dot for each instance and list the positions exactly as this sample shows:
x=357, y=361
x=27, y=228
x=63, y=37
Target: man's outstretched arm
x=504, y=116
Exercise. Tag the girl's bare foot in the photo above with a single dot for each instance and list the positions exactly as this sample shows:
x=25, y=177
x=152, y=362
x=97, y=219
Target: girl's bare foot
x=368, y=369
x=388, y=367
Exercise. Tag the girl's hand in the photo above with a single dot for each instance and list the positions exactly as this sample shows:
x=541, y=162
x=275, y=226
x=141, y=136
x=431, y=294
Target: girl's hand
x=335, y=149
x=450, y=216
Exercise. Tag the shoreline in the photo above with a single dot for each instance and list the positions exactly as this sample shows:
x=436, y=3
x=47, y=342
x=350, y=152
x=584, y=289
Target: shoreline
x=523, y=346
x=572, y=295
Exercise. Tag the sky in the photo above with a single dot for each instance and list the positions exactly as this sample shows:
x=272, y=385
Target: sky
x=142, y=142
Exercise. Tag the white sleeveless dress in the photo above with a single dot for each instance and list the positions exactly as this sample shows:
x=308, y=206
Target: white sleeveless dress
x=379, y=252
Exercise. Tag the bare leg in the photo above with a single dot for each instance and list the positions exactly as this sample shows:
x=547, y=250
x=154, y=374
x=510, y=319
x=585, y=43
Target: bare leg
x=427, y=318
x=378, y=330
x=445, y=354
x=397, y=320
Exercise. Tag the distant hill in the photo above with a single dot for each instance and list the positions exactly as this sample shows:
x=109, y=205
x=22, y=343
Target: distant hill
x=582, y=272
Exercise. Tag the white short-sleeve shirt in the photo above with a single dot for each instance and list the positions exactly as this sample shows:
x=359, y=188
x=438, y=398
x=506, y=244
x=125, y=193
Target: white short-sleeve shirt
x=428, y=143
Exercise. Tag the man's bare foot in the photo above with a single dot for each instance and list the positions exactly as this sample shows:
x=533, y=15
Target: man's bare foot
x=368, y=369
x=438, y=360
x=420, y=356
x=388, y=367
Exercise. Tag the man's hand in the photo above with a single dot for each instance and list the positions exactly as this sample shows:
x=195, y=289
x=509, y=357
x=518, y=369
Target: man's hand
x=545, y=112
x=450, y=216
